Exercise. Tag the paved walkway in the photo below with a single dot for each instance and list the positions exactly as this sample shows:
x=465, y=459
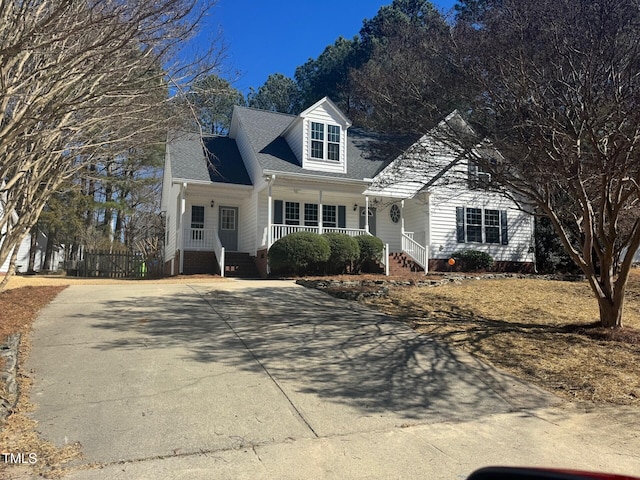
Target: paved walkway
x=266, y=379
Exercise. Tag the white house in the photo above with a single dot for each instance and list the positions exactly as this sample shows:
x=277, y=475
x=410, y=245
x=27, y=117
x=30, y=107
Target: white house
x=22, y=260
x=228, y=199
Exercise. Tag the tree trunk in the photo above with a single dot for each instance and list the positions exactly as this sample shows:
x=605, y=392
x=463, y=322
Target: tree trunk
x=33, y=247
x=48, y=256
x=610, y=312
x=11, y=270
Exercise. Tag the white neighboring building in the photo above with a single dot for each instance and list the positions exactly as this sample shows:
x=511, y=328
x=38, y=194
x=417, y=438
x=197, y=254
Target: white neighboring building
x=276, y=174
x=22, y=261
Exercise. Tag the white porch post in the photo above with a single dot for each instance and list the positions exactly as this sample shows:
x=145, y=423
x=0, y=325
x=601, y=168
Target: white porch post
x=183, y=207
x=320, y=226
x=269, y=217
x=366, y=213
x=402, y=217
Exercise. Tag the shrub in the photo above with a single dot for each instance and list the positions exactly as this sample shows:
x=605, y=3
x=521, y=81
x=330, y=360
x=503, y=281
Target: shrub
x=345, y=250
x=371, y=249
x=470, y=260
x=300, y=252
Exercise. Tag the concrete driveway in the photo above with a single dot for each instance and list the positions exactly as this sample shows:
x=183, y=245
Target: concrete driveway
x=270, y=380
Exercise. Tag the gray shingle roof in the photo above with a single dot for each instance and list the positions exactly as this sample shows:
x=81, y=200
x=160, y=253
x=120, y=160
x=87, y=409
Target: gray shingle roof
x=367, y=152
x=223, y=163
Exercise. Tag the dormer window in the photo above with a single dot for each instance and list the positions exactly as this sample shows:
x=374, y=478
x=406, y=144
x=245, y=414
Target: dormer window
x=325, y=147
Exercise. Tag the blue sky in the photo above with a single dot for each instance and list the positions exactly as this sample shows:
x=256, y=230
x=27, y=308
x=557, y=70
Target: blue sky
x=276, y=36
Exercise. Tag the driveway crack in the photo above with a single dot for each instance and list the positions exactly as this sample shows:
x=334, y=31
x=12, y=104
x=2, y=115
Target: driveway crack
x=295, y=409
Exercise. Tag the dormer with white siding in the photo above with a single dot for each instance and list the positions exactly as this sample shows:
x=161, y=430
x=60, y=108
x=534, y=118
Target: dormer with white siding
x=318, y=137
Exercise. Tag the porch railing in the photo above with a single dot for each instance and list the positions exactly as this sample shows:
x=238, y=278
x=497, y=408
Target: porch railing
x=205, y=239
x=416, y=251
x=279, y=231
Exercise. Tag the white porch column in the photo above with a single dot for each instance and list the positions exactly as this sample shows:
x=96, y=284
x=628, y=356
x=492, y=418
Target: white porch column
x=366, y=213
x=402, y=217
x=269, y=217
x=320, y=226
x=183, y=207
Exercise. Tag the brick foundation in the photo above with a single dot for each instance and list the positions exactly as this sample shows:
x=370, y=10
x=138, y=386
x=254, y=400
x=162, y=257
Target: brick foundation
x=441, y=265
x=261, y=262
x=200, y=262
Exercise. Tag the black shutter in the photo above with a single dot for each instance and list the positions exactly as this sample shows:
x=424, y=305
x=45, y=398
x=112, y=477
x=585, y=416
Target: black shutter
x=503, y=227
x=460, y=224
x=277, y=212
x=342, y=216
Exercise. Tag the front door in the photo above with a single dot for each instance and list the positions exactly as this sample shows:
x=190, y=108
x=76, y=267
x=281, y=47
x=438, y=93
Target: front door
x=372, y=219
x=228, y=228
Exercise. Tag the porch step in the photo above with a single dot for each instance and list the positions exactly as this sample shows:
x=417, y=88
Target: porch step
x=240, y=265
x=401, y=264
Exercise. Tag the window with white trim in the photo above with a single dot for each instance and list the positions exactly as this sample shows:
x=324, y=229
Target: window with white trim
x=474, y=225
x=329, y=216
x=479, y=176
x=492, y=226
x=317, y=140
x=311, y=214
x=292, y=213
x=477, y=225
x=197, y=222
x=227, y=218
x=325, y=147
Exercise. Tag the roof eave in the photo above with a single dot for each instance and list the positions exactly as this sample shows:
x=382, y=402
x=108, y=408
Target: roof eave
x=208, y=182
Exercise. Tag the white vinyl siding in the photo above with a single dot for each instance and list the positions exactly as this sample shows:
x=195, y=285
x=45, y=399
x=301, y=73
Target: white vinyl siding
x=295, y=139
x=443, y=229
x=334, y=154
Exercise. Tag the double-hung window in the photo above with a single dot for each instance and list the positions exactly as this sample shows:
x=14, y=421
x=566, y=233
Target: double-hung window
x=311, y=214
x=329, y=217
x=317, y=140
x=325, y=141
x=333, y=142
x=477, y=225
x=292, y=213
x=492, y=226
x=474, y=225
x=288, y=213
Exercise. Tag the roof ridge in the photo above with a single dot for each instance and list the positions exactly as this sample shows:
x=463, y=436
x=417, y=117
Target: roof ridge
x=267, y=111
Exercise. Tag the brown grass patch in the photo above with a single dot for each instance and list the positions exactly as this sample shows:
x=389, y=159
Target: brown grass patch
x=539, y=330
x=19, y=435
x=19, y=281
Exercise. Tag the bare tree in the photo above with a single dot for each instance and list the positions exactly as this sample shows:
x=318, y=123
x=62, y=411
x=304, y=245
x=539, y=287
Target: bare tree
x=560, y=100
x=80, y=80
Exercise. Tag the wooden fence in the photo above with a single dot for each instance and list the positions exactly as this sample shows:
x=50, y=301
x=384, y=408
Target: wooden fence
x=113, y=264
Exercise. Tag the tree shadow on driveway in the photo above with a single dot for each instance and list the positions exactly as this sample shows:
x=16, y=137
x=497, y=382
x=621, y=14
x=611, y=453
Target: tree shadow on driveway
x=317, y=349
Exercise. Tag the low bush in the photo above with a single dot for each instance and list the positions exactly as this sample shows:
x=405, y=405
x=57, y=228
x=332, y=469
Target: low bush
x=300, y=252
x=371, y=249
x=473, y=260
x=345, y=251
